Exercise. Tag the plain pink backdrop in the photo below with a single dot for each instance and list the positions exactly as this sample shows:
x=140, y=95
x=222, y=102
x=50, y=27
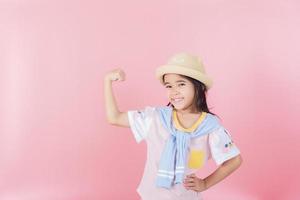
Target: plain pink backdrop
x=55, y=143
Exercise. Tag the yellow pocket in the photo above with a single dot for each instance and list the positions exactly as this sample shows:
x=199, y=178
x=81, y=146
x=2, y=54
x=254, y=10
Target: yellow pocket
x=196, y=159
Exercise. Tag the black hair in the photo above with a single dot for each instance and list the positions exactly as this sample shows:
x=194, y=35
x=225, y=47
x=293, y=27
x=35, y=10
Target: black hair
x=200, y=95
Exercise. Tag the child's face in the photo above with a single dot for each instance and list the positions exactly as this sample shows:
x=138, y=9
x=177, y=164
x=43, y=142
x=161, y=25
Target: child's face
x=180, y=91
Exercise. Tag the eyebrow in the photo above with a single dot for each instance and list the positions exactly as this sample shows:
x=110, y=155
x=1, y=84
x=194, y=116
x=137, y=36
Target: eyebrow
x=176, y=82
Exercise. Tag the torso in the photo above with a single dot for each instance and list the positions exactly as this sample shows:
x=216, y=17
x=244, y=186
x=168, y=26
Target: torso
x=197, y=156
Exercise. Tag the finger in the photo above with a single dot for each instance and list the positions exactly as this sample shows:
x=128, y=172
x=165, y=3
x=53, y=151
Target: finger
x=121, y=72
x=189, y=180
x=118, y=77
x=122, y=76
x=190, y=176
x=187, y=187
x=194, y=188
x=186, y=180
x=190, y=185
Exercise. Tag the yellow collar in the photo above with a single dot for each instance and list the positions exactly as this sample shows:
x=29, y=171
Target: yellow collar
x=190, y=129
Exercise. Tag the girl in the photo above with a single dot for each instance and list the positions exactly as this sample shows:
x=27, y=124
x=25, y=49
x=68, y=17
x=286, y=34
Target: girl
x=181, y=136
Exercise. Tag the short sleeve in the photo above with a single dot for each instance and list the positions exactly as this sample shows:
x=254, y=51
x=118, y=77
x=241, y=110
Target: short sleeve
x=140, y=122
x=221, y=145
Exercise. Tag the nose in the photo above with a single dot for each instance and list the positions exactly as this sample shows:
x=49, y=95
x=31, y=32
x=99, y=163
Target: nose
x=174, y=91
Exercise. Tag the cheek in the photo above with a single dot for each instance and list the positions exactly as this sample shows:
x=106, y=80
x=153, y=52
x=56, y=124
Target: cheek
x=189, y=94
x=168, y=94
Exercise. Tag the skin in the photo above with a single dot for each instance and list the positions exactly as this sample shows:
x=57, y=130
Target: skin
x=179, y=87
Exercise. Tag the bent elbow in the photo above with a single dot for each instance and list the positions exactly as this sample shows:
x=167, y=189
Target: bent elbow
x=239, y=160
x=111, y=121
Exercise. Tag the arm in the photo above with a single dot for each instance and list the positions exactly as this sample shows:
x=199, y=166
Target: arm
x=113, y=115
x=223, y=171
x=199, y=185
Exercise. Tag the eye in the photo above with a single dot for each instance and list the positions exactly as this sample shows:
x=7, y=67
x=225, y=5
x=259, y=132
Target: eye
x=181, y=84
x=168, y=86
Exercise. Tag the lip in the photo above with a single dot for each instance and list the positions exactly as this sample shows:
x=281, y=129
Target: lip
x=176, y=100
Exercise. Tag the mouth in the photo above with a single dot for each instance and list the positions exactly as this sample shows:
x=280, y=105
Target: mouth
x=176, y=100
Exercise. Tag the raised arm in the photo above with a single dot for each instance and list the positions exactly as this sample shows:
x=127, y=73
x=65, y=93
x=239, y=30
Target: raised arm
x=113, y=115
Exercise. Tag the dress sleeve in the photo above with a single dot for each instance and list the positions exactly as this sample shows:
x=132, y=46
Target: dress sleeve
x=140, y=121
x=221, y=145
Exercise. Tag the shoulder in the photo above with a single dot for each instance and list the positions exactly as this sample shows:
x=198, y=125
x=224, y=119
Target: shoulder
x=150, y=110
x=213, y=122
x=213, y=118
x=164, y=112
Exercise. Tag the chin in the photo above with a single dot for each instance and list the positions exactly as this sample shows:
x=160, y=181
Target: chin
x=179, y=107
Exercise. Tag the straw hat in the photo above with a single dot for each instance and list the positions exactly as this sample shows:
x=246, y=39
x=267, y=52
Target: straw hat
x=185, y=64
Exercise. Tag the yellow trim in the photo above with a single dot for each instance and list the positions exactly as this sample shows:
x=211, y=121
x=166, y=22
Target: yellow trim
x=190, y=129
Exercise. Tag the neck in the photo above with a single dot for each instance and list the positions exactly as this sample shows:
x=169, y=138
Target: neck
x=187, y=111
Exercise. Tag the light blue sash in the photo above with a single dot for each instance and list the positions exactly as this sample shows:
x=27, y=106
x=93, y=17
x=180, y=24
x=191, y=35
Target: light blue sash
x=173, y=159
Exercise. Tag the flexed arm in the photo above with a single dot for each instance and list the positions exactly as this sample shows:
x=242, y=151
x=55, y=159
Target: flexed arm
x=113, y=115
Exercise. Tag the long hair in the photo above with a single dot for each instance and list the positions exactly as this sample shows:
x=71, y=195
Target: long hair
x=200, y=95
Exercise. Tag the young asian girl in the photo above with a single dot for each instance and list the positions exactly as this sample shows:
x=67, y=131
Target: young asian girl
x=181, y=136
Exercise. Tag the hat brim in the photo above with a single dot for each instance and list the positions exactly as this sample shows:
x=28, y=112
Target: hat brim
x=166, y=69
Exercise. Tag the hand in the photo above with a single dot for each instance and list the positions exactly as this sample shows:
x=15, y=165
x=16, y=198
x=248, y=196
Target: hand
x=115, y=75
x=192, y=182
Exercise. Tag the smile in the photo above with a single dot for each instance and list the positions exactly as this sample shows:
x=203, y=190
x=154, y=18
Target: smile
x=177, y=100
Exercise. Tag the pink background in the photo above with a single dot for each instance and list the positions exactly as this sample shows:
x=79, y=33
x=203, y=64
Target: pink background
x=55, y=143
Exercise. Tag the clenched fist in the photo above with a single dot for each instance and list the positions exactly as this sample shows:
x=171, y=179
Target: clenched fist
x=115, y=75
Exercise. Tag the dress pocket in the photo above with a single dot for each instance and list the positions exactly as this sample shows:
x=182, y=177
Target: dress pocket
x=196, y=159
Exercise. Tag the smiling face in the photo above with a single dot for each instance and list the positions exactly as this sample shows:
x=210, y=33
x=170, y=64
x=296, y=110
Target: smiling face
x=180, y=92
